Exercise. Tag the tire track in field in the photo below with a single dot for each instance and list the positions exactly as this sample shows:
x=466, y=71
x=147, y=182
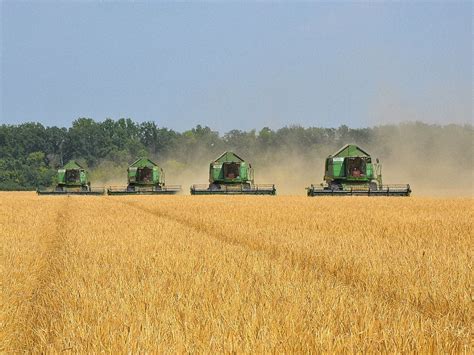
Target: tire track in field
x=43, y=305
x=344, y=274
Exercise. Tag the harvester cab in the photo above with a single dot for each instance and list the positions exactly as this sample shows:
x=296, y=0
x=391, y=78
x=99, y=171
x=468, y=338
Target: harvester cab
x=72, y=179
x=145, y=177
x=350, y=171
x=230, y=174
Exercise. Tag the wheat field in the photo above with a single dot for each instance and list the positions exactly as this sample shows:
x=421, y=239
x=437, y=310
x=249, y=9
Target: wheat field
x=235, y=274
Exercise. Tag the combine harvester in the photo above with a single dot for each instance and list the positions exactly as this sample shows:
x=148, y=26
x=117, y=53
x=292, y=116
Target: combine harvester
x=350, y=171
x=73, y=179
x=145, y=178
x=229, y=174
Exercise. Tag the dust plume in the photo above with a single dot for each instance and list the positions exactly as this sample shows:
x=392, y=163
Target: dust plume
x=290, y=171
x=435, y=160
x=187, y=175
x=109, y=173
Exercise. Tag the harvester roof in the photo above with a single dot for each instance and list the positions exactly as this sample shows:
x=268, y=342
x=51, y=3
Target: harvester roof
x=229, y=157
x=142, y=163
x=351, y=150
x=72, y=164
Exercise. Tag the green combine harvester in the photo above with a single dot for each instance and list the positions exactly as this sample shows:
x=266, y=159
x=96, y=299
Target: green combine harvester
x=229, y=174
x=350, y=171
x=145, y=178
x=73, y=179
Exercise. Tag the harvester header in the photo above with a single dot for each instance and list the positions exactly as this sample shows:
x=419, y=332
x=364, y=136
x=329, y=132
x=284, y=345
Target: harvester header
x=145, y=177
x=229, y=174
x=351, y=171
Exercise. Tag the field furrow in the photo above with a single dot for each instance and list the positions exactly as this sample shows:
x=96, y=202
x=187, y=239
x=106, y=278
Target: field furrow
x=33, y=242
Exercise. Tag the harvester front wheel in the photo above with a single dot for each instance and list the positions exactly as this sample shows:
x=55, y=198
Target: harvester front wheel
x=373, y=186
x=214, y=187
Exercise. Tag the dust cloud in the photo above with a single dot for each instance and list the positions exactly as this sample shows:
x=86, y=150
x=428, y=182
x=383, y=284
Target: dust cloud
x=188, y=175
x=109, y=174
x=434, y=160
x=290, y=171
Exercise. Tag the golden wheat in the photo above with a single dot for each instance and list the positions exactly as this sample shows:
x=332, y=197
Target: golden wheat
x=246, y=274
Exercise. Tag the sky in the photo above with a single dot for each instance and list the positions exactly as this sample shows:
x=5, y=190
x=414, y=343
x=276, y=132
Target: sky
x=236, y=65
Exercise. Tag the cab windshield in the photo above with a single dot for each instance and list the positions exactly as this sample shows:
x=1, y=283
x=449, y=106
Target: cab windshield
x=356, y=167
x=72, y=175
x=231, y=170
x=144, y=174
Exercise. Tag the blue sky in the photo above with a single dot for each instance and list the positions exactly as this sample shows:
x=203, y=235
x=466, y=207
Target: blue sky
x=236, y=65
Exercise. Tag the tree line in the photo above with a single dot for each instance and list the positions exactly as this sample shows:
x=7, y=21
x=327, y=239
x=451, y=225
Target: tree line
x=30, y=153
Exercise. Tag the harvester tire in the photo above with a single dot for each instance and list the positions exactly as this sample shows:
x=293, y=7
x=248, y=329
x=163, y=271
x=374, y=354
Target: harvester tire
x=214, y=187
